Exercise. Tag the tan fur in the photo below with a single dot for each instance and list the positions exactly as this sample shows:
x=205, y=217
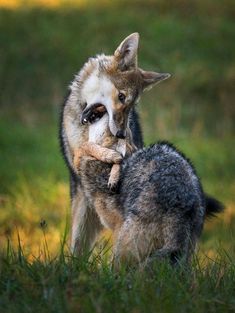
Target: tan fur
x=135, y=242
x=110, y=217
x=114, y=175
x=86, y=224
x=100, y=153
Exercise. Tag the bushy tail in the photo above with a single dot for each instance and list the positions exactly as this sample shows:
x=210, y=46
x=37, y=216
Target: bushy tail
x=213, y=206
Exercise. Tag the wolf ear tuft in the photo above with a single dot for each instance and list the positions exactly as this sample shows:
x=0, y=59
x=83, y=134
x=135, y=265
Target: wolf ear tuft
x=152, y=78
x=126, y=53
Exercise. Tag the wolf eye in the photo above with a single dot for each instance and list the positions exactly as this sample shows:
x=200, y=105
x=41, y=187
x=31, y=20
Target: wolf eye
x=121, y=97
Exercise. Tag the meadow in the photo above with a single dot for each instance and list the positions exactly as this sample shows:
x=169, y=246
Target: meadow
x=41, y=49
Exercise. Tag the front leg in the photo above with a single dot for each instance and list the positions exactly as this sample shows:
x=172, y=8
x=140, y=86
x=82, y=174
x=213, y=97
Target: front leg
x=114, y=176
x=101, y=153
x=85, y=224
x=98, y=152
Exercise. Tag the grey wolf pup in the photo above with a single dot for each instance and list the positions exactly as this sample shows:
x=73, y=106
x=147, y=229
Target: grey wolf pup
x=160, y=207
x=115, y=83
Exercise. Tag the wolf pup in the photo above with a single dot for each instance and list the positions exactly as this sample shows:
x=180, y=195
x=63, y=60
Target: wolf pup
x=159, y=210
x=116, y=83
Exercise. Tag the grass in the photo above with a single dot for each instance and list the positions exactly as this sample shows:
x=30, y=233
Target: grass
x=41, y=49
x=67, y=284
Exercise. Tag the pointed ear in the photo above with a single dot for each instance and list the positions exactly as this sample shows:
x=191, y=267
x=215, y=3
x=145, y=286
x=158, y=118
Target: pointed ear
x=152, y=78
x=126, y=53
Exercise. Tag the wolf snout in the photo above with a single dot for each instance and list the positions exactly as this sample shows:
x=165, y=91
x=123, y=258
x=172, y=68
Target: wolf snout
x=121, y=134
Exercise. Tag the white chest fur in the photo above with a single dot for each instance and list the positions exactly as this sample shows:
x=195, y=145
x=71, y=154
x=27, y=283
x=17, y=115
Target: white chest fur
x=97, y=130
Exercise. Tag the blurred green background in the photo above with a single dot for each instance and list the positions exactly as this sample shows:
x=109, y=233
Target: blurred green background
x=44, y=43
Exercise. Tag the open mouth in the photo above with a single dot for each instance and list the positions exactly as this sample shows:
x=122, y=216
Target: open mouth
x=93, y=113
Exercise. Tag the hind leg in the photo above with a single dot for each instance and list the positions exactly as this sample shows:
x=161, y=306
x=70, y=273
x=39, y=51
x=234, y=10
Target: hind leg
x=143, y=243
x=135, y=242
x=178, y=242
x=124, y=250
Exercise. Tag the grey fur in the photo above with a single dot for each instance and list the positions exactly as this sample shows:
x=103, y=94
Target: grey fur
x=160, y=196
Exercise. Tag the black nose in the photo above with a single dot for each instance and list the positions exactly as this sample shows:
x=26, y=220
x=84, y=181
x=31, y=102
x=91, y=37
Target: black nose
x=121, y=134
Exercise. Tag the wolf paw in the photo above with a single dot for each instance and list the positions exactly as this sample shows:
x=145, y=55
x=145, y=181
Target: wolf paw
x=113, y=157
x=114, y=177
x=112, y=185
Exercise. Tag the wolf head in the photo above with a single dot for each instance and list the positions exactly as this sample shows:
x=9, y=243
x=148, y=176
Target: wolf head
x=116, y=82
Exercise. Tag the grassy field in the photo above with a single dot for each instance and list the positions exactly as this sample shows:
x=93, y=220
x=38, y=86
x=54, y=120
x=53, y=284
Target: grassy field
x=67, y=284
x=41, y=50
